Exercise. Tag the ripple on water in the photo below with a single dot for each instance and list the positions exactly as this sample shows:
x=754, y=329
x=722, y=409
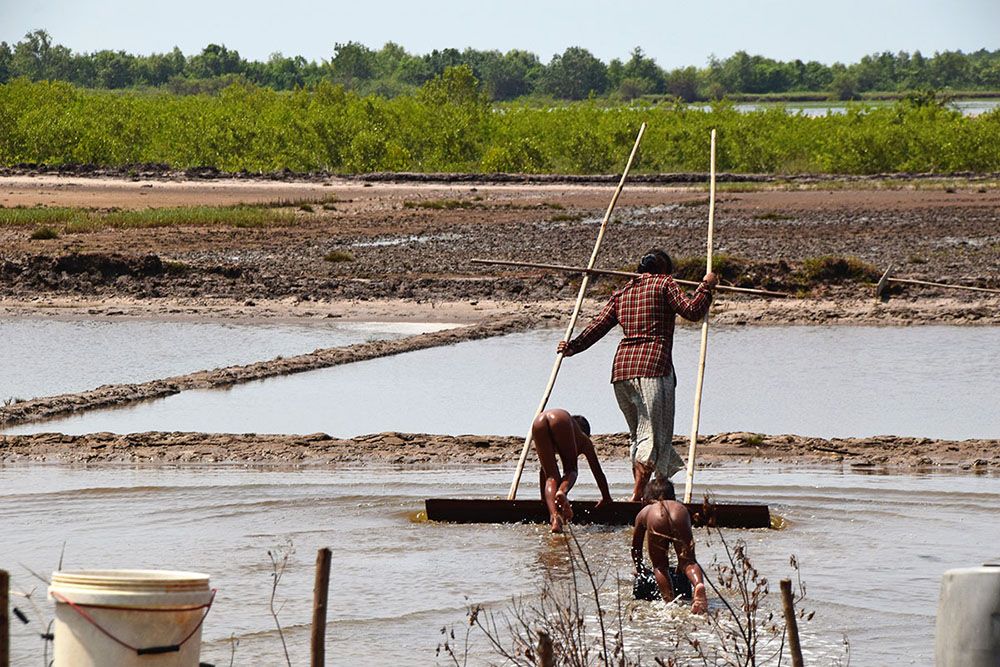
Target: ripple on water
x=396, y=583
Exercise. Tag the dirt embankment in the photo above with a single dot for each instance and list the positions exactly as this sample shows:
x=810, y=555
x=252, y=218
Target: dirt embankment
x=881, y=452
x=121, y=394
x=412, y=241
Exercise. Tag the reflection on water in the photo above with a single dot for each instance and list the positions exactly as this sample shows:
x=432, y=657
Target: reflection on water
x=872, y=549
x=35, y=352
x=822, y=381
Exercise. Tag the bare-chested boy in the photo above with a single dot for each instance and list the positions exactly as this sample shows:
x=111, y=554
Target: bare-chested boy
x=558, y=432
x=668, y=522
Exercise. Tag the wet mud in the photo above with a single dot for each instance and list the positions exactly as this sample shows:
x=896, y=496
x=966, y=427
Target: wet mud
x=410, y=241
x=879, y=453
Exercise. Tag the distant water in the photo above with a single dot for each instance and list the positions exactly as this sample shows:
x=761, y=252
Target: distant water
x=46, y=356
x=967, y=107
x=872, y=550
x=928, y=381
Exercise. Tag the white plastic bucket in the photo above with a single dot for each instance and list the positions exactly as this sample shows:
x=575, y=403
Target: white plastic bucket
x=968, y=618
x=129, y=618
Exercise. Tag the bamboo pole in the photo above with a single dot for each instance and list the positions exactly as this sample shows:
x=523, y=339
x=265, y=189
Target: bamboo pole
x=624, y=274
x=696, y=417
x=912, y=281
x=791, y=625
x=887, y=278
x=321, y=589
x=512, y=493
x=4, y=618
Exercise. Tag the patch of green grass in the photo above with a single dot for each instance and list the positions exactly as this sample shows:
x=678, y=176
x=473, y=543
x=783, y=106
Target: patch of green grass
x=728, y=267
x=338, y=256
x=39, y=216
x=306, y=207
x=77, y=221
x=755, y=440
x=44, y=234
x=834, y=269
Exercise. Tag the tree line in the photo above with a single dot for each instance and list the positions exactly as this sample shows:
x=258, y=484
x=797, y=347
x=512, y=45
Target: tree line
x=573, y=74
x=450, y=125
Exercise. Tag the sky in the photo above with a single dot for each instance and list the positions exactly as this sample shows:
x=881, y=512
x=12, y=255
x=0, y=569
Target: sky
x=675, y=34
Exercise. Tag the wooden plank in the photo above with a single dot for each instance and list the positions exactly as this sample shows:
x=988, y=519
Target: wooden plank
x=469, y=510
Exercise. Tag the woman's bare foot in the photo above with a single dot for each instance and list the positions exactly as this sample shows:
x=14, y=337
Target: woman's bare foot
x=557, y=524
x=563, y=505
x=699, y=601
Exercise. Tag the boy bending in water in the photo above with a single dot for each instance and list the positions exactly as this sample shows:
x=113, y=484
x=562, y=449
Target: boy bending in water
x=668, y=522
x=557, y=432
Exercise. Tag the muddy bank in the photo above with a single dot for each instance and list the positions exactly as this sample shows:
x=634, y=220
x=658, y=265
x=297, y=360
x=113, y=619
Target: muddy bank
x=122, y=394
x=404, y=448
x=145, y=171
x=739, y=311
x=411, y=241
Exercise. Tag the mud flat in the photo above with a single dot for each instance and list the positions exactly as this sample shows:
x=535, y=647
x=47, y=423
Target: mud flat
x=397, y=244
x=318, y=449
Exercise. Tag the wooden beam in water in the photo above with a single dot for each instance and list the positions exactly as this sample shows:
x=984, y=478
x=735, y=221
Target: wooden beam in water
x=468, y=510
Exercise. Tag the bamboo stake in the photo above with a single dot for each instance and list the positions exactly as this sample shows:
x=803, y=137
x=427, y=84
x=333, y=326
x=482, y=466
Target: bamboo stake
x=576, y=313
x=624, y=274
x=321, y=590
x=791, y=625
x=4, y=619
x=692, y=447
x=546, y=656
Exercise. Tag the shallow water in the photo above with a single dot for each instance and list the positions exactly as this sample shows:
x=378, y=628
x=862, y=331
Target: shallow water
x=872, y=550
x=935, y=381
x=35, y=352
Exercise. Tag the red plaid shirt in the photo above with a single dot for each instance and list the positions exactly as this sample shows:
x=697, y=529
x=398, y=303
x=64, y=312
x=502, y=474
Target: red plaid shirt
x=646, y=309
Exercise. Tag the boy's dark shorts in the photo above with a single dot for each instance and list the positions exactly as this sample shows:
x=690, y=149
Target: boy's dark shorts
x=644, y=587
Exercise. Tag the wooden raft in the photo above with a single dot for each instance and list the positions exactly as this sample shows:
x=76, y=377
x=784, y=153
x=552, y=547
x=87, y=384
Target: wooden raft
x=468, y=510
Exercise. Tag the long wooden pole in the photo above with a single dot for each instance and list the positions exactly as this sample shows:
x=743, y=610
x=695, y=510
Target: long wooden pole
x=912, y=281
x=624, y=274
x=791, y=624
x=692, y=447
x=321, y=590
x=576, y=313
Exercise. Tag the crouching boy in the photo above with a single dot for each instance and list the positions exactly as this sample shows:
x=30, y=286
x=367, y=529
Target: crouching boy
x=667, y=522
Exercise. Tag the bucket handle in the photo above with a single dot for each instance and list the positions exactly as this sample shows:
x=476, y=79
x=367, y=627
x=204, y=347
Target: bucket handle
x=151, y=650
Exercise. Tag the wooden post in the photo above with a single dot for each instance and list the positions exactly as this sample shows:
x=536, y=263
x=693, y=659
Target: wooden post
x=4, y=619
x=791, y=625
x=546, y=657
x=696, y=417
x=512, y=493
x=320, y=591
